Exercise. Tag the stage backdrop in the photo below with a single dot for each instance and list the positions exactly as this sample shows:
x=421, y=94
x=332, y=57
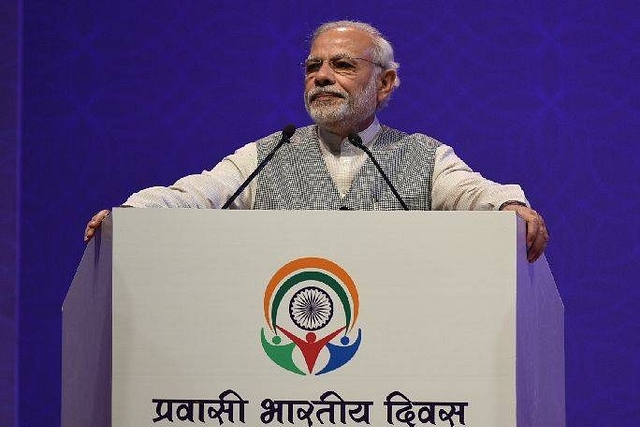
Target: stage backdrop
x=121, y=95
x=10, y=65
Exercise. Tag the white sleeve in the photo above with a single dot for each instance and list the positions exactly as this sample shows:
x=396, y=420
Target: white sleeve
x=457, y=187
x=207, y=190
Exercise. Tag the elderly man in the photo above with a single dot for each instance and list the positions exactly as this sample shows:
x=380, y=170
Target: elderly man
x=350, y=73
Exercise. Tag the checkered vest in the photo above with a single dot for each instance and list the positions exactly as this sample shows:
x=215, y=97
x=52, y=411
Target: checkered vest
x=297, y=177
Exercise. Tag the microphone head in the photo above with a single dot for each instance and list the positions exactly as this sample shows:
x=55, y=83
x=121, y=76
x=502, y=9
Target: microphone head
x=288, y=131
x=355, y=139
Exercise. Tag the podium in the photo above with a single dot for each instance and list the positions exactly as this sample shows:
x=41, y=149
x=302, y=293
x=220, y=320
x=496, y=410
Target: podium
x=308, y=318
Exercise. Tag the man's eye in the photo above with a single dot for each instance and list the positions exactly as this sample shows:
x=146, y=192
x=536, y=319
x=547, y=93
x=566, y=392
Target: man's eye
x=312, y=67
x=343, y=65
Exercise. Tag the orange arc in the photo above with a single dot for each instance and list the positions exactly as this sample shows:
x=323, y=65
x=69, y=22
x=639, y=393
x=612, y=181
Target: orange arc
x=306, y=263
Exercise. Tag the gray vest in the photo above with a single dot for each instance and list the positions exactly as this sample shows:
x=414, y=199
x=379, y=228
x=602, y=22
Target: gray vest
x=297, y=177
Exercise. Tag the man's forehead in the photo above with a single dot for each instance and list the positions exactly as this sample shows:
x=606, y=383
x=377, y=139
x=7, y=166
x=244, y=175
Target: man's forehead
x=342, y=40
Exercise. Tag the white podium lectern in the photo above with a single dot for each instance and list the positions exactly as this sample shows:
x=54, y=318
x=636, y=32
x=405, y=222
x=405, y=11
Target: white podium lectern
x=308, y=318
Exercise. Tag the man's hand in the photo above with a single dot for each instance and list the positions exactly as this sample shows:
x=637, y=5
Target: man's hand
x=94, y=223
x=537, y=234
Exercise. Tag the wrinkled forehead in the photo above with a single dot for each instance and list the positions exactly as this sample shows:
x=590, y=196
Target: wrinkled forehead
x=340, y=42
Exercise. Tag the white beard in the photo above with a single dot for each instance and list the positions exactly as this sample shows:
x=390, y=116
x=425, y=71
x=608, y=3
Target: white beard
x=348, y=111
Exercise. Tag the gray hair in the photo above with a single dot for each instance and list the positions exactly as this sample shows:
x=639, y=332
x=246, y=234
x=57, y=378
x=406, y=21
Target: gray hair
x=382, y=49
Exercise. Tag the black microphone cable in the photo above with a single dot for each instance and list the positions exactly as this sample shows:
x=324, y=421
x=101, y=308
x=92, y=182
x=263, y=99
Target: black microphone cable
x=287, y=133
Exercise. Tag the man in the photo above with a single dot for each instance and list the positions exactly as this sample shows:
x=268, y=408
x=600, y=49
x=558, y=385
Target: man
x=350, y=73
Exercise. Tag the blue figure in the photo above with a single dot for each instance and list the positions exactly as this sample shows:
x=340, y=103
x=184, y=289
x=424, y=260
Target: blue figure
x=341, y=354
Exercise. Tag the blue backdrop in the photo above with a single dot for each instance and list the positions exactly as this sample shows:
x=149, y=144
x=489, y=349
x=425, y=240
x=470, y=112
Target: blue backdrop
x=121, y=95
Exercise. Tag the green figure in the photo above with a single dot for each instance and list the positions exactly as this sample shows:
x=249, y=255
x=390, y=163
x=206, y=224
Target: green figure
x=280, y=354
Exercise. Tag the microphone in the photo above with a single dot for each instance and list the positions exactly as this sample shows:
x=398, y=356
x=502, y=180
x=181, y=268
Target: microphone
x=356, y=141
x=287, y=133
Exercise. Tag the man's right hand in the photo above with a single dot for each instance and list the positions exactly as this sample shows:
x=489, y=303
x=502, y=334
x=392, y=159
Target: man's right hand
x=94, y=223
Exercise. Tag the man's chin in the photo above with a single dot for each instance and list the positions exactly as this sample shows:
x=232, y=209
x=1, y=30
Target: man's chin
x=327, y=121
x=323, y=117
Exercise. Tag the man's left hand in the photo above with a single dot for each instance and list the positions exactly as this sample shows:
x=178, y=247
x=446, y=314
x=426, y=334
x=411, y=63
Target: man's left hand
x=537, y=234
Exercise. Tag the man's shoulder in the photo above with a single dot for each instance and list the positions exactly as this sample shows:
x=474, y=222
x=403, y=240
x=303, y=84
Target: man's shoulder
x=393, y=136
x=301, y=134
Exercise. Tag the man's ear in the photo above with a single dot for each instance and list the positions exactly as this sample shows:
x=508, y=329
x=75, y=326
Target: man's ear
x=386, y=82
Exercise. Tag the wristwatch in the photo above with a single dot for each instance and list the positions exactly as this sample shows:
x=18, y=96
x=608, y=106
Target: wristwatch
x=512, y=202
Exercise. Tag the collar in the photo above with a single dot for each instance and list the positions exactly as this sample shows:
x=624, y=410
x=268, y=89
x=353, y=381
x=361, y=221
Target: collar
x=368, y=136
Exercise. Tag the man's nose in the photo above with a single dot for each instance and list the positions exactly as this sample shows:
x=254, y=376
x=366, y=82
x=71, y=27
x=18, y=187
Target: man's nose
x=325, y=76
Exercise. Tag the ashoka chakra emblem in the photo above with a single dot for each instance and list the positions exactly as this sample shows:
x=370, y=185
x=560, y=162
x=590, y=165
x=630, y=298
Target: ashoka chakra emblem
x=311, y=308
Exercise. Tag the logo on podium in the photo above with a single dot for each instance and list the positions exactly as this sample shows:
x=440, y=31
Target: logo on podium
x=310, y=308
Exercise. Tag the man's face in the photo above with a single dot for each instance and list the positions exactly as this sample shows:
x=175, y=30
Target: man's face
x=345, y=94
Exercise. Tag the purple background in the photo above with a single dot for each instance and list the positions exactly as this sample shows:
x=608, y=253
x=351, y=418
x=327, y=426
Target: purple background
x=120, y=95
